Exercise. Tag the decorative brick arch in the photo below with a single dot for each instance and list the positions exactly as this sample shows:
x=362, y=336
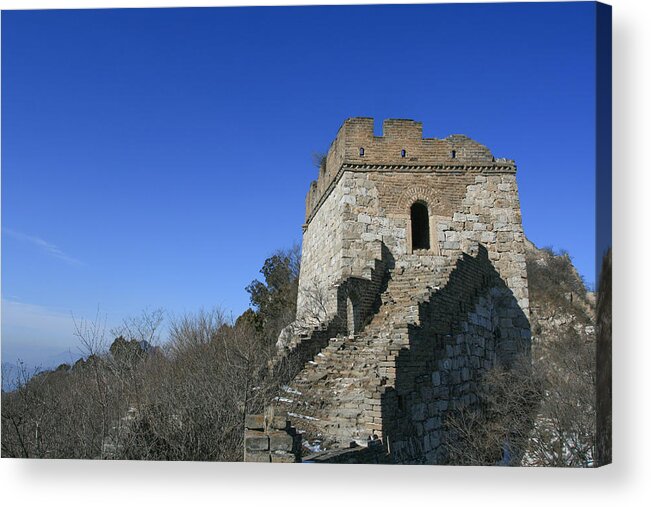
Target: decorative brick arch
x=419, y=193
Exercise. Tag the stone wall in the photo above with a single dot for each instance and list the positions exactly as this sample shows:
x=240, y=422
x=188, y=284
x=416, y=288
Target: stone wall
x=421, y=357
x=470, y=326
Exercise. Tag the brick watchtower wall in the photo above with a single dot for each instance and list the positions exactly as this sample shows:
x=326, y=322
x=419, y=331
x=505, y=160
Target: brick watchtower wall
x=364, y=194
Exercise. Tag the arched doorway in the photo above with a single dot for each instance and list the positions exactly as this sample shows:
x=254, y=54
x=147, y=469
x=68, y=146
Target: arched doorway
x=419, y=226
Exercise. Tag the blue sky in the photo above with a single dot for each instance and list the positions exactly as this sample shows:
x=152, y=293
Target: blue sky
x=155, y=157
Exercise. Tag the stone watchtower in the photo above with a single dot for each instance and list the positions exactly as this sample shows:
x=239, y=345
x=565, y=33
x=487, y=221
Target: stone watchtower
x=413, y=284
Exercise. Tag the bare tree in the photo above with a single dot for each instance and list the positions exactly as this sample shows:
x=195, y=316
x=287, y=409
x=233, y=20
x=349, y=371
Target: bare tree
x=564, y=431
x=319, y=160
x=144, y=327
x=496, y=431
x=195, y=399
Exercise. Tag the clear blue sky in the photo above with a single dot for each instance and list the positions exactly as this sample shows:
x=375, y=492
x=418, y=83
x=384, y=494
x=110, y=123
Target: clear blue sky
x=156, y=157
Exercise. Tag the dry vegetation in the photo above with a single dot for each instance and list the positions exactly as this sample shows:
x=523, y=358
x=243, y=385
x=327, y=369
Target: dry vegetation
x=183, y=398
x=540, y=413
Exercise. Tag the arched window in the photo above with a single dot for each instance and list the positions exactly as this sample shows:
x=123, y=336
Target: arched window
x=419, y=226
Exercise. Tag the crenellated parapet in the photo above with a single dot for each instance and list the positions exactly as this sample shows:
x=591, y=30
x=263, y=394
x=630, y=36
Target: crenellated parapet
x=401, y=148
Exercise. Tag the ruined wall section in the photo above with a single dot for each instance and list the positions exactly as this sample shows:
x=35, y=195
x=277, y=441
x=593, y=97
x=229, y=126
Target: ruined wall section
x=364, y=198
x=472, y=325
x=420, y=359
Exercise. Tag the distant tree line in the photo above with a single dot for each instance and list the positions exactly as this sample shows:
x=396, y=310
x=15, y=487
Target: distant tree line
x=135, y=395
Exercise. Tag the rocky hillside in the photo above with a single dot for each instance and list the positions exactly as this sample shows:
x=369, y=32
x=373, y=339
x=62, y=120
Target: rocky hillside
x=564, y=359
x=559, y=300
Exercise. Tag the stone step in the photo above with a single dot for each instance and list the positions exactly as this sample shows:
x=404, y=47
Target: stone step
x=352, y=372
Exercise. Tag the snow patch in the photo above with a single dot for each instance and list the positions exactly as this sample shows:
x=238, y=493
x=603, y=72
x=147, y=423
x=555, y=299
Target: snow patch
x=313, y=447
x=301, y=416
x=290, y=390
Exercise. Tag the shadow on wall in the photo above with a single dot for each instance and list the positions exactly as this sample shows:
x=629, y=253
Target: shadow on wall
x=358, y=299
x=468, y=327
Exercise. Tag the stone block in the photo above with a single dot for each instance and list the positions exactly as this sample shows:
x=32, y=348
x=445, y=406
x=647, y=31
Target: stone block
x=257, y=457
x=283, y=458
x=280, y=441
x=254, y=422
x=419, y=411
x=256, y=441
x=487, y=237
x=451, y=236
x=279, y=423
x=436, y=379
x=504, y=237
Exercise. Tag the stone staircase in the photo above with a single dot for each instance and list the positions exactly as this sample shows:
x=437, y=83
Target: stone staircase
x=338, y=394
x=301, y=344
